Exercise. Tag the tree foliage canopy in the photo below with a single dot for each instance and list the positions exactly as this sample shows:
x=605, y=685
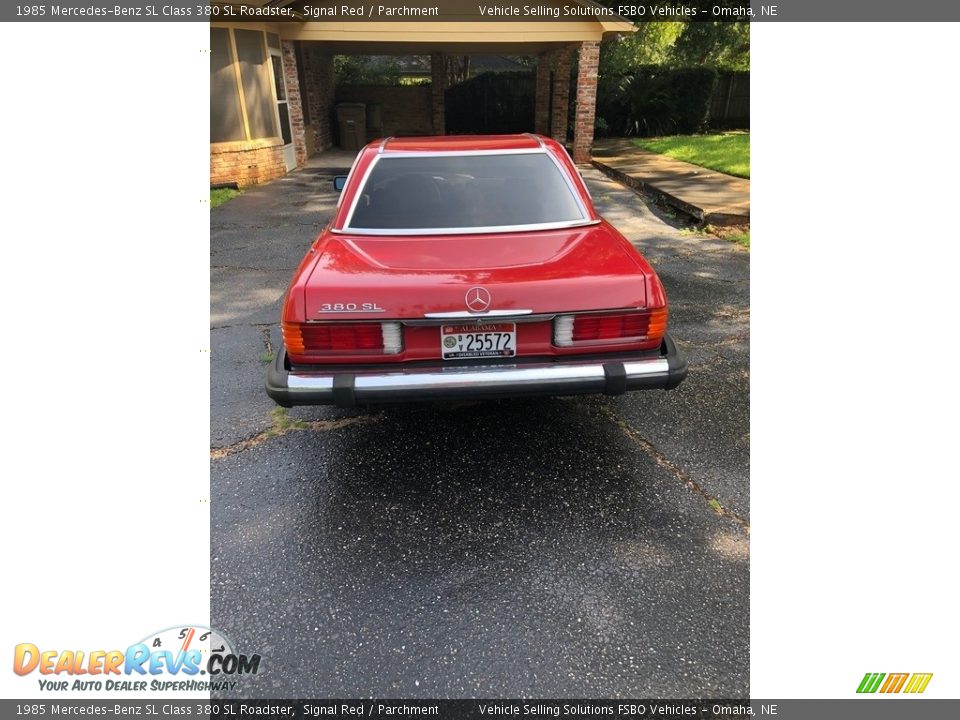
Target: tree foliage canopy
x=680, y=44
x=367, y=70
x=720, y=45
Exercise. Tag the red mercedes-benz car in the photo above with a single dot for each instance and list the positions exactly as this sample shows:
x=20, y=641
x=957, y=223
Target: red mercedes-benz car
x=469, y=267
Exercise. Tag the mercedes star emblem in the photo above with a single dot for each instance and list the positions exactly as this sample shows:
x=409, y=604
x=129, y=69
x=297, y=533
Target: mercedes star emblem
x=478, y=299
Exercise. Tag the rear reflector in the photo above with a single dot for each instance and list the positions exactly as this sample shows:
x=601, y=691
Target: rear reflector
x=608, y=329
x=392, y=337
x=343, y=338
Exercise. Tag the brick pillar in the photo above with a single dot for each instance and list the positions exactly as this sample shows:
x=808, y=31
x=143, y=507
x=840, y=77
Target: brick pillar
x=319, y=82
x=563, y=61
x=438, y=84
x=294, y=106
x=586, y=109
x=327, y=80
x=541, y=113
x=310, y=92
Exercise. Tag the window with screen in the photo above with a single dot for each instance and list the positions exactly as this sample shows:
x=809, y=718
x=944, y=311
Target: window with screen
x=226, y=118
x=255, y=77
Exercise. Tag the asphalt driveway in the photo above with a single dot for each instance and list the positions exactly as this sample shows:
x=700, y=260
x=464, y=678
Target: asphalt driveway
x=585, y=547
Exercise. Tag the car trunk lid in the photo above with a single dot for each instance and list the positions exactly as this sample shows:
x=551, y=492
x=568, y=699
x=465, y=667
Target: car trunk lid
x=371, y=277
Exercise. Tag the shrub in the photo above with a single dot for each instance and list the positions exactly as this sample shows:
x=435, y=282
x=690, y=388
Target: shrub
x=694, y=90
x=657, y=101
x=367, y=70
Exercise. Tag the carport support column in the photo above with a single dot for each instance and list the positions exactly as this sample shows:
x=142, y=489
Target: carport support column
x=320, y=80
x=586, y=110
x=541, y=113
x=294, y=101
x=561, y=94
x=438, y=86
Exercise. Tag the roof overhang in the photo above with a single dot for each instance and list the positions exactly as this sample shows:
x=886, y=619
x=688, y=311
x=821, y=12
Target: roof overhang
x=395, y=37
x=513, y=38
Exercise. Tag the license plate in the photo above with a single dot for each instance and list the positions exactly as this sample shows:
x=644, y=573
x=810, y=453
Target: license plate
x=478, y=341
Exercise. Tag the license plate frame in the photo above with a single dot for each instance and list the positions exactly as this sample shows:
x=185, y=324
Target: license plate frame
x=478, y=342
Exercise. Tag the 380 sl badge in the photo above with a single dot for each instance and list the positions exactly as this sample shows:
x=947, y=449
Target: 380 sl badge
x=368, y=307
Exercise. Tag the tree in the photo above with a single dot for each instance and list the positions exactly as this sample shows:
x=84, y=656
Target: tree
x=720, y=45
x=650, y=45
x=458, y=69
x=678, y=44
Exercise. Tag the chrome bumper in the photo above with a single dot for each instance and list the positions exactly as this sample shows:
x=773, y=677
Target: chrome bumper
x=569, y=376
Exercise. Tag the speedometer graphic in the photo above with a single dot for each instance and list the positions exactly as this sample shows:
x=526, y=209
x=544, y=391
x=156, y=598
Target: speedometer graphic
x=185, y=641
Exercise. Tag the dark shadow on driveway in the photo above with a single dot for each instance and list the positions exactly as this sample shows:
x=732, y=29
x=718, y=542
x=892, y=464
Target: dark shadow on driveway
x=505, y=549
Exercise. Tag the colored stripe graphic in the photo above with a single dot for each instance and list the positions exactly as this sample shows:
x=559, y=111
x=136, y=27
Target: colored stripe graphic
x=870, y=682
x=894, y=682
x=918, y=682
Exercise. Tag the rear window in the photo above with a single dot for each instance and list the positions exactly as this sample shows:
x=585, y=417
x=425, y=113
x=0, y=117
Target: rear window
x=462, y=192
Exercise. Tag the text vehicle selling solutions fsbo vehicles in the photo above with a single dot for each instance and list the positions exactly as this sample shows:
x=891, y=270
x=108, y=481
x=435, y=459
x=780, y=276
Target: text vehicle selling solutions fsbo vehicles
x=469, y=267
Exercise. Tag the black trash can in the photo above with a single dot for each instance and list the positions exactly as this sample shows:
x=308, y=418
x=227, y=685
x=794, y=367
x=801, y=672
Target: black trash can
x=352, y=120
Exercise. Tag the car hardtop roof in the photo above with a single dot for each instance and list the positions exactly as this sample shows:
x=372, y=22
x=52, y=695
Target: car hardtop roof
x=460, y=143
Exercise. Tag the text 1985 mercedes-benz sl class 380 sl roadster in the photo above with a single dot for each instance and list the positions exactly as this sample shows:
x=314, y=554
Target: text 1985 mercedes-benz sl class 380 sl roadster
x=469, y=267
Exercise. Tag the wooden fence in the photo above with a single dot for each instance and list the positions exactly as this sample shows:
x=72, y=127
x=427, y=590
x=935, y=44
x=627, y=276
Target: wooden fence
x=491, y=103
x=730, y=104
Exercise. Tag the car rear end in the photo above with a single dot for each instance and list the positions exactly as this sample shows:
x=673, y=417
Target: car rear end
x=420, y=311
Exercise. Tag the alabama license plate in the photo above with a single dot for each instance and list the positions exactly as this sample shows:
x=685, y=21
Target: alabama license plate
x=478, y=341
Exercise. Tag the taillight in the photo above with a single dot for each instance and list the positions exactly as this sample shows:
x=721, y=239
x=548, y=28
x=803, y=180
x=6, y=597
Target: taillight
x=343, y=338
x=609, y=329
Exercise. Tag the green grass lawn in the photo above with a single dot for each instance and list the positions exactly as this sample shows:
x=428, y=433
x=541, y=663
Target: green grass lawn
x=221, y=195
x=737, y=234
x=741, y=237
x=726, y=152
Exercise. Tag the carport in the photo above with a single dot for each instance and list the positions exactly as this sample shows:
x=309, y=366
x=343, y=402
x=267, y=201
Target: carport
x=273, y=84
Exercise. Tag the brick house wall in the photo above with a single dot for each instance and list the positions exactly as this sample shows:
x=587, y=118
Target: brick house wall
x=406, y=108
x=247, y=163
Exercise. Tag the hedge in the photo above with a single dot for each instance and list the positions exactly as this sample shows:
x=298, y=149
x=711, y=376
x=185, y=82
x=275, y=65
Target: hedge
x=652, y=101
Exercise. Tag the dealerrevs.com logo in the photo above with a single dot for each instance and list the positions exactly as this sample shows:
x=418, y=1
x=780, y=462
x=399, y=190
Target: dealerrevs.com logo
x=910, y=683
x=183, y=659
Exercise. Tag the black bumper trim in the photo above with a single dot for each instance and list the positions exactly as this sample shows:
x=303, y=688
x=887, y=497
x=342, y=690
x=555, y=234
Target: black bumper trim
x=567, y=376
x=616, y=375
x=344, y=394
